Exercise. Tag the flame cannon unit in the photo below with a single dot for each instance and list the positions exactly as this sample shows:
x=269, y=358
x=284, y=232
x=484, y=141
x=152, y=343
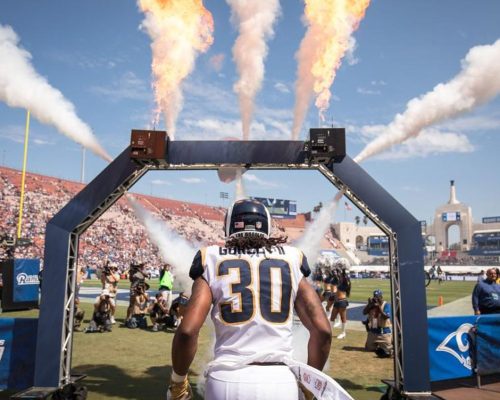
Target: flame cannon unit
x=325, y=145
x=148, y=145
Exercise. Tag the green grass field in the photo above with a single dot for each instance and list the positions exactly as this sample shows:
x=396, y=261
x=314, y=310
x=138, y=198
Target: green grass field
x=135, y=364
x=451, y=290
x=363, y=288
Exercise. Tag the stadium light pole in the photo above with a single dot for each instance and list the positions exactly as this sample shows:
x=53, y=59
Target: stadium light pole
x=23, y=176
x=82, y=172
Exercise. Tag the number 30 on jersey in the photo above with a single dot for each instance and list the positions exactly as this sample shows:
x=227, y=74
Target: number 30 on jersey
x=268, y=271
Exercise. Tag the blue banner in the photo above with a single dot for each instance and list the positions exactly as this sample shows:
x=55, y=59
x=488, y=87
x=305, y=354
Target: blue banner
x=449, y=348
x=26, y=280
x=490, y=220
x=6, y=328
x=488, y=344
x=17, y=352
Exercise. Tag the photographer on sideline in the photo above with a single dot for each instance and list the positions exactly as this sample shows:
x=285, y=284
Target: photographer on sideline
x=110, y=278
x=78, y=316
x=378, y=325
x=101, y=318
x=140, y=302
x=177, y=310
x=158, y=312
x=137, y=276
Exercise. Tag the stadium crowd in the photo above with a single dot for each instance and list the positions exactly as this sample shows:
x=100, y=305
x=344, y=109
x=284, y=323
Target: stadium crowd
x=117, y=236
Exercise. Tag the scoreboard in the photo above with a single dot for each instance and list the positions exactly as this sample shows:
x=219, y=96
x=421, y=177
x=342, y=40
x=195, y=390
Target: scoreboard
x=450, y=216
x=279, y=208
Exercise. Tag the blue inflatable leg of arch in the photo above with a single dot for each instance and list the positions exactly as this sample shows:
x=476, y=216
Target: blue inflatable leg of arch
x=17, y=352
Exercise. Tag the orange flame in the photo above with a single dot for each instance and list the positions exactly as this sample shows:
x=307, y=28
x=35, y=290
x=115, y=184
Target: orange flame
x=340, y=20
x=179, y=30
x=330, y=26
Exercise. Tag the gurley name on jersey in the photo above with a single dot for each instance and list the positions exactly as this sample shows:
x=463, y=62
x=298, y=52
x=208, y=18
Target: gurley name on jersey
x=233, y=251
x=197, y=267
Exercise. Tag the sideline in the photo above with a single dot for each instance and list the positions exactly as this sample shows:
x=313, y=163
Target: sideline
x=462, y=306
x=88, y=294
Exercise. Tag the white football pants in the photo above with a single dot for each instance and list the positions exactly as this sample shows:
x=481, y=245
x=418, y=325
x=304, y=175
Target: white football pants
x=253, y=382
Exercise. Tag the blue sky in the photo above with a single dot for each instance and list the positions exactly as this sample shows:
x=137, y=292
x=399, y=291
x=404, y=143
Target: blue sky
x=96, y=55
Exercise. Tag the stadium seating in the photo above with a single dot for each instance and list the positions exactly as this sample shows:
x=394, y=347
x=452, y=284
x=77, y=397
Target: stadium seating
x=117, y=234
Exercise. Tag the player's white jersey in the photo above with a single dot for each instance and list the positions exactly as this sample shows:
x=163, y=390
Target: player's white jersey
x=253, y=295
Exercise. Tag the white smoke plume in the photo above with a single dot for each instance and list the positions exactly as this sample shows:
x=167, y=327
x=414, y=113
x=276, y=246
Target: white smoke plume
x=310, y=241
x=476, y=84
x=173, y=248
x=179, y=29
x=300, y=340
x=21, y=86
x=240, y=187
x=330, y=25
x=255, y=20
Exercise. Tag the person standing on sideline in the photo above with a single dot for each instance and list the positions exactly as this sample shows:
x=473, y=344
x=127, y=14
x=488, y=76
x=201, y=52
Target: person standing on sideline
x=486, y=294
x=166, y=284
x=254, y=283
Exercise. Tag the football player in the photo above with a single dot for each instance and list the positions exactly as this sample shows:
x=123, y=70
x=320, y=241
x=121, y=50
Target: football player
x=253, y=285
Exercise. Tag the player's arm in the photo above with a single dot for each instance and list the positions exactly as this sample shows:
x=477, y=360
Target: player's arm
x=185, y=342
x=312, y=315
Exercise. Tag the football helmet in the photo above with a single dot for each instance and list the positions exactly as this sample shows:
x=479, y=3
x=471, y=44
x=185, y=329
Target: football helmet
x=247, y=217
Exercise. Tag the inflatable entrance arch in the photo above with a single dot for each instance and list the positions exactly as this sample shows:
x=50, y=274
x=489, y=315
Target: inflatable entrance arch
x=55, y=327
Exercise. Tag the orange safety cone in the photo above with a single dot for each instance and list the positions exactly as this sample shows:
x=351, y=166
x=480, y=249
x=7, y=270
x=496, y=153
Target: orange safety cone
x=440, y=300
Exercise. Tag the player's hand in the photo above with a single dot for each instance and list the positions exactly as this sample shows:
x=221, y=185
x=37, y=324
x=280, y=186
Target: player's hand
x=305, y=394
x=180, y=390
